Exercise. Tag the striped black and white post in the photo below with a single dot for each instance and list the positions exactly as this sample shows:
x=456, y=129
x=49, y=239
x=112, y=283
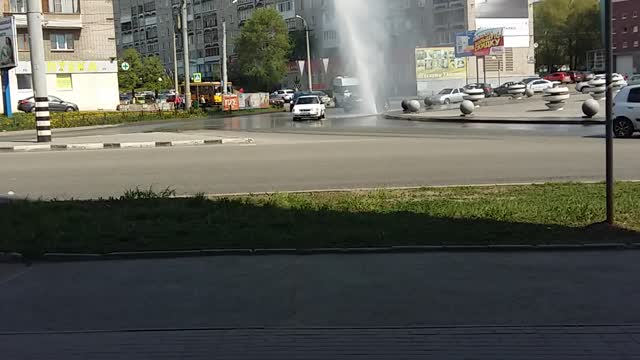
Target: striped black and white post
x=43, y=120
x=38, y=70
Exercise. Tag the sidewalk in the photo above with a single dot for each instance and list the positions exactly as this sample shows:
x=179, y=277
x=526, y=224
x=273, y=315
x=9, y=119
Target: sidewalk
x=122, y=141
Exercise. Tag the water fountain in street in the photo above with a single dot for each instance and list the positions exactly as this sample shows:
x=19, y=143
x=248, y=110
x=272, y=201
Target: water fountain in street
x=363, y=45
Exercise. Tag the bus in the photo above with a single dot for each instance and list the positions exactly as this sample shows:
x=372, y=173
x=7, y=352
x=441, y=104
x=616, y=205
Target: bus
x=212, y=92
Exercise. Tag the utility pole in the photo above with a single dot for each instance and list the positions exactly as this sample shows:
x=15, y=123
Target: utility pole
x=185, y=53
x=608, y=45
x=225, y=76
x=307, y=30
x=38, y=70
x=175, y=60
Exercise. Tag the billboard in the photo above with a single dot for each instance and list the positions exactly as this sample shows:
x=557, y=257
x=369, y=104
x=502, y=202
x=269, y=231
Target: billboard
x=254, y=101
x=515, y=31
x=8, y=43
x=439, y=63
x=491, y=9
x=486, y=39
x=464, y=44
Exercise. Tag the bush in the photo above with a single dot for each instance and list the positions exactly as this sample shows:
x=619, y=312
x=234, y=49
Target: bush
x=23, y=121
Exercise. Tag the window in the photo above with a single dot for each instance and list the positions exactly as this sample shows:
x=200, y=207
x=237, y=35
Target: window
x=23, y=42
x=624, y=16
x=63, y=82
x=625, y=45
x=62, y=41
x=635, y=14
x=24, y=81
x=635, y=29
x=18, y=6
x=64, y=6
x=634, y=95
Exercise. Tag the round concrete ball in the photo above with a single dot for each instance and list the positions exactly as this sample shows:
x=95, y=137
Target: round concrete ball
x=413, y=105
x=590, y=107
x=529, y=92
x=428, y=102
x=405, y=105
x=467, y=107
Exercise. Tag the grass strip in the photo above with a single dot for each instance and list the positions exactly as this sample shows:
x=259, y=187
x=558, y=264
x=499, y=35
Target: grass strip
x=146, y=220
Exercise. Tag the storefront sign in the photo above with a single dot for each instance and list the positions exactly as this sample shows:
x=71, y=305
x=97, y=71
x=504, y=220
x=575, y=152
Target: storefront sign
x=230, y=103
x=486, y=39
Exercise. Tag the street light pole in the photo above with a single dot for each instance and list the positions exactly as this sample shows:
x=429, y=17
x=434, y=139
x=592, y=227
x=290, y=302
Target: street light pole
x=225, y=74
x=309, y=75
x=175, y=61
x=608, y=44
x=185, y=53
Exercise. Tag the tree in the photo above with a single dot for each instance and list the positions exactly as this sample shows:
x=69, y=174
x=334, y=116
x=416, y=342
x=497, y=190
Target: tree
x=154, y=77
x=131, y=79
x=263, y=49
x=565, y=31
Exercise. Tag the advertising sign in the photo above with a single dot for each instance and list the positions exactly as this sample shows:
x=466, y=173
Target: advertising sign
x=8, y=43
x=464, y=44
x=439, y=63
x=486, y=39
x=254, y=101
x=230, y=103
x=515, y=31
x=502, y=9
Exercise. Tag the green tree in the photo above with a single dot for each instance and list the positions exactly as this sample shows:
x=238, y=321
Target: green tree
x=565, y=31
x=131, y=79
x=263, y=49
x=154, y=77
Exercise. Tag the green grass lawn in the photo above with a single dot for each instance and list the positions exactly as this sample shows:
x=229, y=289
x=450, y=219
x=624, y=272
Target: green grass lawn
x=539, y=214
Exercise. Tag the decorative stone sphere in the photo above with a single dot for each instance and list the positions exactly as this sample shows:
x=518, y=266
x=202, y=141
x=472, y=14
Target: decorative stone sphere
x=474, y=95
x=467, y=107
x=598, y=88
x=428, y=102
x=590, y=108
x=516, y=91
x=405, y=105
x=413, y=106
x=556, y=97
x=529, y=92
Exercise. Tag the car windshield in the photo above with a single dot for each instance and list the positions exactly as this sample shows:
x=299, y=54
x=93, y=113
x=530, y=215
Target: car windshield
x=445, y=92
x=308, y=100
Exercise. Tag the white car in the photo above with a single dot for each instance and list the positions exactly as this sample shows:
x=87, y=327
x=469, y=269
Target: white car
x=626, y=112
x=634, y=79
x=539, y=85
x=584, y=86
x=285, y=94
x=448, y=96
x=308, y=107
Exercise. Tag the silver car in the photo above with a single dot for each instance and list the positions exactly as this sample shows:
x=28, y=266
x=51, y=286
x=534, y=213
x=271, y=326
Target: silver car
x=448, y=96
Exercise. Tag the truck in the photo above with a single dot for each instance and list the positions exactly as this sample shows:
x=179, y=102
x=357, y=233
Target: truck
x=344, y=86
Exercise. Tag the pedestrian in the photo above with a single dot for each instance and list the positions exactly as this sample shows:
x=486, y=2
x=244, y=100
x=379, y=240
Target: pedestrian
x=178, y=101
x=203, y=102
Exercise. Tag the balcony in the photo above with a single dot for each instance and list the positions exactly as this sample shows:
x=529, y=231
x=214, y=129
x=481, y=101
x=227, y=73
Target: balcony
x=58, y=14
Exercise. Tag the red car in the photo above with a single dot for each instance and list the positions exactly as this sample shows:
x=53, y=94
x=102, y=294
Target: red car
x=562, y=77
x=576, y=76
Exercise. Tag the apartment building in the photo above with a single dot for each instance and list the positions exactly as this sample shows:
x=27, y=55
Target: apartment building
x=80, y=52
x=626, y=36
x=149, y=25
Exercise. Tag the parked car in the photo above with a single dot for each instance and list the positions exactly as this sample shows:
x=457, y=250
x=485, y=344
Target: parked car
x=584, y=87
x=530, y=79
x=626, y=112
x=308, y=107
x=634, y=79
x=55, y=105
x=539, y=85
x=561, y=77
x=275, y=100
x=448, y=96
x=575, y=76
x=488, y=90
x=504, y=88
x=285, y=94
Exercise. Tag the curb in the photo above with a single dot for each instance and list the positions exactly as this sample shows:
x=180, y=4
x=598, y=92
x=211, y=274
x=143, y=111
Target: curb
x=480, y=120
x=14, y=257
x=126, y=145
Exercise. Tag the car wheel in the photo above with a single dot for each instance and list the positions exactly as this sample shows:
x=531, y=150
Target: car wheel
x=623, y=128
x=447, y=101
x=69, y=109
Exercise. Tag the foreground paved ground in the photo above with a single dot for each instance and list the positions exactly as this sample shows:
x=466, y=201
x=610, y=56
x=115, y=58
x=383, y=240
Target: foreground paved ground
x=539, y=306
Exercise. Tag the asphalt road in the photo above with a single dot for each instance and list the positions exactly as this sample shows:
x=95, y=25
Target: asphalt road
x=361, y=152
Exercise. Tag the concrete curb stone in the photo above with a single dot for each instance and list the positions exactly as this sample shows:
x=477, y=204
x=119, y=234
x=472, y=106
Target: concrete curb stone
x=482, y=120
x=69, y=257
x=126, y=145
